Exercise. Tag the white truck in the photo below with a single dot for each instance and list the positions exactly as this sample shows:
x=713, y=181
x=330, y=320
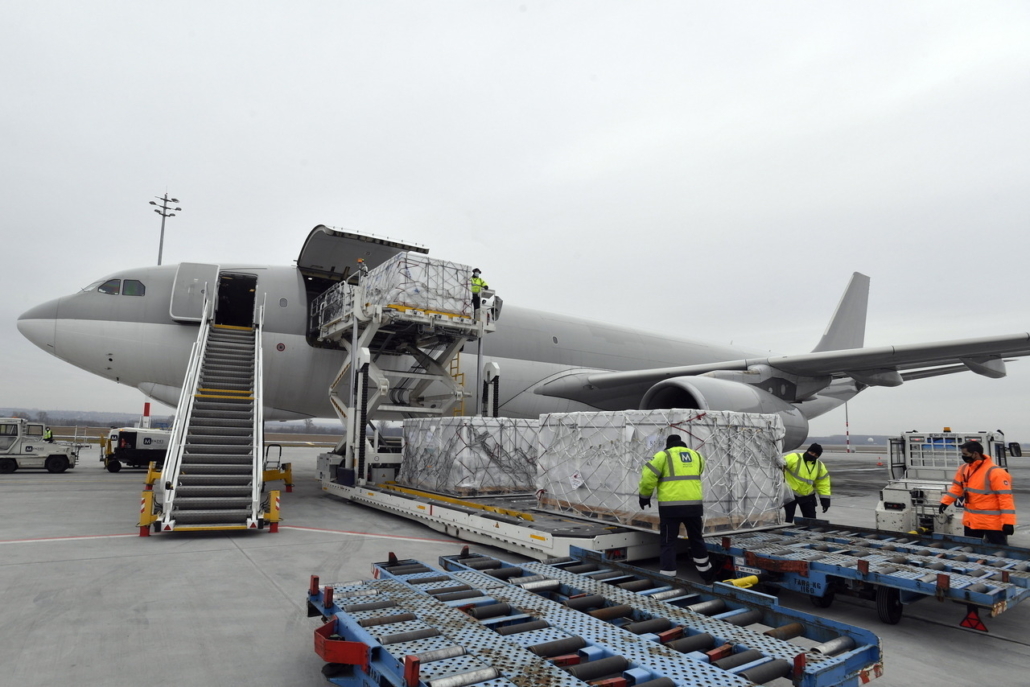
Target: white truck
x=134, y=447
x=922, y=466
x=22, y=446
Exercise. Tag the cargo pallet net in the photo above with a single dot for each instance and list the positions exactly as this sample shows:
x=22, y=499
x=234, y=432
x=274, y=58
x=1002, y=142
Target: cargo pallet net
x=590, y=465
x=470, y=456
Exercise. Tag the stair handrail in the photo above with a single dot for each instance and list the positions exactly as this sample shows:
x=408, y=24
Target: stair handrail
x=258, y=465
x=184, y=410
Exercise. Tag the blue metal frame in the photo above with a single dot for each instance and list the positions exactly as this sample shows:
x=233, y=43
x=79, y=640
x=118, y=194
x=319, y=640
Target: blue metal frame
x=647, y=657
x=817, y=558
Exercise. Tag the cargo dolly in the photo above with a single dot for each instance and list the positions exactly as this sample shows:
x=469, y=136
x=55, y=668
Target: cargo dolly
x=822, y=560
x=581, y=619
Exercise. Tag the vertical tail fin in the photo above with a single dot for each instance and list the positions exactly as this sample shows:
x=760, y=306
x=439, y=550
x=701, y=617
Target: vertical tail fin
x=847, y=327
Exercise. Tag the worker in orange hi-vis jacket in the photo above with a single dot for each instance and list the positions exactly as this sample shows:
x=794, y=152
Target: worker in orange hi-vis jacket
x=987, y=489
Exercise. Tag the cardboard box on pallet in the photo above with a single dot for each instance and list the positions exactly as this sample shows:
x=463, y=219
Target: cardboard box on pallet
x=418, y=281
x=470, y=456
x=590, y=464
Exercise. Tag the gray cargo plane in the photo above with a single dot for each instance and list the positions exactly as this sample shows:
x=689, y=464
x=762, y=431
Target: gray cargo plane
x=136, y=327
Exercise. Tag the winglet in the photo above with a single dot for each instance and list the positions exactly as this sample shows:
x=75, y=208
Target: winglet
x=847, y=328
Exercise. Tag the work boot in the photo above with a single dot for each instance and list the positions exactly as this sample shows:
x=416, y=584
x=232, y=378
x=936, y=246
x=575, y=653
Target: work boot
x=667, y=573
x=709, y=576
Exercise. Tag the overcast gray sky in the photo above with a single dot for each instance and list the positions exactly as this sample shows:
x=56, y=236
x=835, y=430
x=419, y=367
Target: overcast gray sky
x=712, y=170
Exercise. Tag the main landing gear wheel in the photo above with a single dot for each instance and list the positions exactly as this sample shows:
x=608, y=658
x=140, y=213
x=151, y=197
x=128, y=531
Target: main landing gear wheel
x=888, y=605
x=56, y=463
x=824, y=601
x=8, y=465
x=113, y=465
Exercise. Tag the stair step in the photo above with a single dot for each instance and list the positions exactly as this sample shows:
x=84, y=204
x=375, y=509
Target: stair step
x=210, y=503
x=213, y=480
x=234, y=415
x=203, y=458
x=222, y=469
x=227, y=347
x=209, y=491
x=207, y=404
x=219, y=422
x=216, y=431
x=229, y=449
x=223, y=517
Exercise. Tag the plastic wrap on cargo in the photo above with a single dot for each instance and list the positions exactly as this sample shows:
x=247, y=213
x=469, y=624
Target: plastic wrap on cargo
x=466, y=456
x=590, y=464
x=418, y=281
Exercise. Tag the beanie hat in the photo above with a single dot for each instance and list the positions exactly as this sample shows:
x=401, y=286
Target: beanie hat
x=673, y=440
x=816, y=449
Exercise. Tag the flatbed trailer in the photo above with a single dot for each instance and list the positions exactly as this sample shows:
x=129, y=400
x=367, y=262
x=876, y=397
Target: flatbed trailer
x=820, y=559
x=479, y=620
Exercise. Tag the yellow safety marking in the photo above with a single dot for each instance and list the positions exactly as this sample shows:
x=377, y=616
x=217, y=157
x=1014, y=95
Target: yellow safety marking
x=225, y=391
x=203, y=529
x=230, y=326
x=238, y=398
x=397, y=306
x=461, y=502
x=537, y=537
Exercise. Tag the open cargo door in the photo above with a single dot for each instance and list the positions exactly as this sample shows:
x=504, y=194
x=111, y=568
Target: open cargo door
x=332, y=254
x=189, y=288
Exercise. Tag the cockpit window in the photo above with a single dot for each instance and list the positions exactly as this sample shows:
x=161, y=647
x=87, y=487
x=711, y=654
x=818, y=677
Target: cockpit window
x=111, y=286
x=133, y=287
x=94, y=285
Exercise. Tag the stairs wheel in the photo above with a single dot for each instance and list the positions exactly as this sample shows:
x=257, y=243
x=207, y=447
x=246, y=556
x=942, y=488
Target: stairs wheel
x=888, y=605
x=113, y=465
x=8, y=465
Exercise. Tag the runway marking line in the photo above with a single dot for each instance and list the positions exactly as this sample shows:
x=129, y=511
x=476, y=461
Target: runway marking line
x=37, y=540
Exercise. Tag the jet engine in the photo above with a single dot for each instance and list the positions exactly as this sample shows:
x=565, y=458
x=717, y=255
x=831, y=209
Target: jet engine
x=708, y=393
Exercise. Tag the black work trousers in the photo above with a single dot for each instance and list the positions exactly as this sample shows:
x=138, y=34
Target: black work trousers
x=992, y=536
x=806, y=503
x=669, y=531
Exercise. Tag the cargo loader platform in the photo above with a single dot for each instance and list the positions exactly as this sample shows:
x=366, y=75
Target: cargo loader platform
x=817, y=558
x=577, y=620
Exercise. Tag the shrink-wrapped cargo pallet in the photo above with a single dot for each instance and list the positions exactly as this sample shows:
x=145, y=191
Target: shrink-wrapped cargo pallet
x=590, y=464
x=470, y=456
x=417, y=281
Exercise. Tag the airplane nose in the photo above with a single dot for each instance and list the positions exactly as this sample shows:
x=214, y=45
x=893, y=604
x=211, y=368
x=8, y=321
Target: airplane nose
x=39, y=325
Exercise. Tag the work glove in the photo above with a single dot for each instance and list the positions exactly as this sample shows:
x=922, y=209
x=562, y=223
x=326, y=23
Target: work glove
x=1008, y=529
x=645, y=502
x=825, y=501
x=941, y=508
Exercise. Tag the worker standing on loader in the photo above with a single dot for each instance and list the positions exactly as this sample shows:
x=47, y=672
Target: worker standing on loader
x=677, y=473
x=477, y=284
x=806, y=475
x=990, y=509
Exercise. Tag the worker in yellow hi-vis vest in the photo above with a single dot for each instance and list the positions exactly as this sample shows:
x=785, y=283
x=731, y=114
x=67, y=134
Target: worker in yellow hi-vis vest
x=806, y=476
x=477, y=284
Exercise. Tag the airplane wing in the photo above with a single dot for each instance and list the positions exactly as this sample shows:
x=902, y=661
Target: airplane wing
x=880, y=366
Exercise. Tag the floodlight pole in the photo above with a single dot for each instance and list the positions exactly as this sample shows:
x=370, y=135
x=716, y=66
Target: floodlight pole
x=163, y=211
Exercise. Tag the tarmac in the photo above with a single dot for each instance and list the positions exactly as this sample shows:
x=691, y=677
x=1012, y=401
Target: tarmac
x=87, y=601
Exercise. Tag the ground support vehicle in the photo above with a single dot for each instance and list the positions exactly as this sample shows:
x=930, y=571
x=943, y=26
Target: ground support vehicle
x=22, y=446
x=134, y=447
x=822, y=560
x=922, y=466
x=479, y=620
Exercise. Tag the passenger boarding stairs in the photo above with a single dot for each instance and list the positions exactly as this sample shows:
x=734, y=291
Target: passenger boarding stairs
x=213, y=475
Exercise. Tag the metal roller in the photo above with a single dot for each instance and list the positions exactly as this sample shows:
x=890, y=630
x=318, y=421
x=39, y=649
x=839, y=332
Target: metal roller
x=407, y=569
x=448, y=590
x=745, y=618
x=608, y=576
x=387, y=619
x=678, y=591
x=530, y=578
x=939, y=565
x=708, y=607
x=899, y=559
x=834, y=646
x=462, y=679
x=441, y=654
x=583, y=568
x=658, y=682
x=582, y=603
x=504, y=573
x=887, y=570
x=435, y=578
x=408, y=636
x=523, y=627
x=698, y=642
x=374, y=606
x=734, y=660
x=558, y=647
x=490, y=611
x=455, y=596
x=540, y=585
x=786, y=632
x=636, y=585
x=598, y=668
x=559, y=561
x=611, y=612
x=647, y=626
x=482, y=563
x=977, y=588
